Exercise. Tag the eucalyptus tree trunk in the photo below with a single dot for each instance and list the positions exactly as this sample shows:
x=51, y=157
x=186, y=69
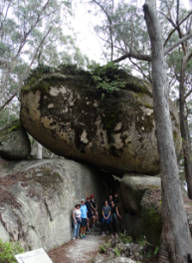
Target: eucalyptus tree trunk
x=186, y=142
x=176, y=243
x=39, y=151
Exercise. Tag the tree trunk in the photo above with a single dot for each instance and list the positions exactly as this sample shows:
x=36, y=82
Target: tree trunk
x=176, y=240
x=186, y=143
x=39, y=151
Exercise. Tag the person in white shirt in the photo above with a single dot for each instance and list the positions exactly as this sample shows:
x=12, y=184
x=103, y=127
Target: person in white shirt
x=76, y=220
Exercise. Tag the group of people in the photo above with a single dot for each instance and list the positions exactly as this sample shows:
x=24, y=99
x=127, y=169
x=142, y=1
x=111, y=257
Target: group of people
x=85, y=215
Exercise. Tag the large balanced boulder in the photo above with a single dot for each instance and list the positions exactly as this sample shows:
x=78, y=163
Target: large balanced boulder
x=14, y=142
x=37, y=198
x=115, y=130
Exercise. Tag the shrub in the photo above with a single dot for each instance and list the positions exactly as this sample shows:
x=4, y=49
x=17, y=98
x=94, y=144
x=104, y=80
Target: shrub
x=125, y=238
x=107, y=77
x=8, y=250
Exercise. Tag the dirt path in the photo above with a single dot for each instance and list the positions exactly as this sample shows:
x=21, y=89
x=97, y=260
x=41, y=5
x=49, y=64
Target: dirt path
x=77, y=251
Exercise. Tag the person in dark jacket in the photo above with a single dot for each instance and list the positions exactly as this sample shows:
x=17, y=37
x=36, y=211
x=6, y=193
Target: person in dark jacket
x=106, y=218
x=115, y=217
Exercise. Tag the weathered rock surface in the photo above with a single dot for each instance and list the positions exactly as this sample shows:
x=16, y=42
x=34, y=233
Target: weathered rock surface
x=14, y=142
x=113, y=130
x=141, y=199
x=37, y=197
x=133, y=187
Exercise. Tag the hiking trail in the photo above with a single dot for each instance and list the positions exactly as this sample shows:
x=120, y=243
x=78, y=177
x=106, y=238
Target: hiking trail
x=78, y=250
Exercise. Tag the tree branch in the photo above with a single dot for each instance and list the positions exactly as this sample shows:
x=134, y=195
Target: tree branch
x=168, y=50
x=133, y=55
x=148, y=57
x=140, y=70
x=110, y=25
x=174, y=29
x=8, y=101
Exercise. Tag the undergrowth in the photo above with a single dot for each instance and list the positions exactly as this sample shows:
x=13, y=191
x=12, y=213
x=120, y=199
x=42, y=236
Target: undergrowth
x=8, y=250
x=139, y=250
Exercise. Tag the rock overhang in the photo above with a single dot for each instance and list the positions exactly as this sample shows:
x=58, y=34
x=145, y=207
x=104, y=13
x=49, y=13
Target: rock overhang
x=108, y=129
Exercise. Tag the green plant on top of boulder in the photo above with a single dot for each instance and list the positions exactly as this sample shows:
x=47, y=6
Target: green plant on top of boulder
x=108, y=77
x=8, y=250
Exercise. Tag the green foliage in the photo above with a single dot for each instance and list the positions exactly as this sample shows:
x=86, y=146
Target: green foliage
x=70, y=69
x=143, y=242
x=125, y=238
x=37, y=74
x=34, y=32
x=117, y=252
x=8, y=250
x=156, y=251
x=107, y=77
x=102, y=249
x=7, y=116
x=140, y=250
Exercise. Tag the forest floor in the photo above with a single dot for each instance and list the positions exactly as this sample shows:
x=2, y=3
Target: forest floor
x=77, y=251
x=86, y=251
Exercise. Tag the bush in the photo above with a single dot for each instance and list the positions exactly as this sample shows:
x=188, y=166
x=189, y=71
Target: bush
x=107, y=78
x=8, y=250
x=123, y=237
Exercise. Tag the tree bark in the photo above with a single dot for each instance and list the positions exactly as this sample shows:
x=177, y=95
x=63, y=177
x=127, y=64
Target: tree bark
x=186, y=142
x=39, y=151
x=176, y=243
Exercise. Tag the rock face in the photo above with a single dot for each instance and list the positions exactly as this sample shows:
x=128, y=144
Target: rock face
x=14, y=142
x=133, y=187
x=37, y=197
x=141, y=198
x=113, y=130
